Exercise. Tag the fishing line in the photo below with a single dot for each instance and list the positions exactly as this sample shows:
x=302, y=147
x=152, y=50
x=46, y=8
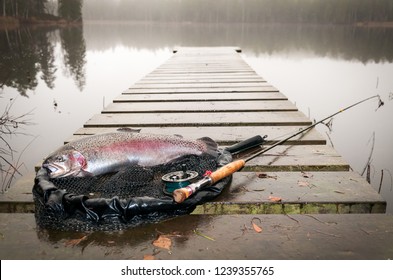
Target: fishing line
x=380, y=104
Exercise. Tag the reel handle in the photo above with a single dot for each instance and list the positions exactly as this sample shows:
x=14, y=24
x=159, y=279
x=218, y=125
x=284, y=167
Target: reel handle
x=182, y=194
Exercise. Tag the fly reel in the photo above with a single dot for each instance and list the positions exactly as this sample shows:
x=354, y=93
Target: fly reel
x=178, y=179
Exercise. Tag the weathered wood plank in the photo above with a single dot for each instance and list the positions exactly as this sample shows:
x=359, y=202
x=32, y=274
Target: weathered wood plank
x=199, y=119
x=204, y=71
x=174, y=97
x=299, y=158
x=201, y=75
x=199, y=85
x=266, y=88
x=201, y=64
x=204, y=64
x=186, y=80
x=201, y=106
x=224, y=135
x=220, y=50
x=300, y=193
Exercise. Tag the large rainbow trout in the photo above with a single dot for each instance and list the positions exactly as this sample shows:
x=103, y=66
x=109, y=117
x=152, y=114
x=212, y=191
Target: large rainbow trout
x=111, y=152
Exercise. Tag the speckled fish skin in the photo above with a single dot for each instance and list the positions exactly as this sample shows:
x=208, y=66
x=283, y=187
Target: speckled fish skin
x=110, y=152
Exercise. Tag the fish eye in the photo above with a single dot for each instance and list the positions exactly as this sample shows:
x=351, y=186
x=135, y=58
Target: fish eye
x=60, y=158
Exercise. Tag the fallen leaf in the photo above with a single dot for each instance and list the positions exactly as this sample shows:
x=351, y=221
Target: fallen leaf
x=307, y=175
x=266, y=176
x=262, y=175
x=149, y=257
x=303, y=184
x=256, y=227
x=275, y=198
x=163, y=242
x=74, y=242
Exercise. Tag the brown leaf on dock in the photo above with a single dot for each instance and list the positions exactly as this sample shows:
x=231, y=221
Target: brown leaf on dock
x=256, y=228
x=163, y=242
x=149, y=257
x=275, y=198
x=266, y=176
x=74, y=242
x=307, y=175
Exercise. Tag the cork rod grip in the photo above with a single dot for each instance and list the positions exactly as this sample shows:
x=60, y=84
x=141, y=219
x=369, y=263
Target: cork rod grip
x=182, y=194
x=226, y=170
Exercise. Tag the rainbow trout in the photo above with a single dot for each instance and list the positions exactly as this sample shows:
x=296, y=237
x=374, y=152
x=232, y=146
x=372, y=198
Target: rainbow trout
x=111, y=152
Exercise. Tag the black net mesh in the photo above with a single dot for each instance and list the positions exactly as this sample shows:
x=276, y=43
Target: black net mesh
x=117, y=201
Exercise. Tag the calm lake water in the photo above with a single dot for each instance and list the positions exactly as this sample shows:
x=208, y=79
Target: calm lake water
x=64, y=77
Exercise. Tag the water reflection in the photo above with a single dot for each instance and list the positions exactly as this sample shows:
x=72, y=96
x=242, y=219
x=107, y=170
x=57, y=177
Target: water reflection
x=28, y=55
x=74, y=54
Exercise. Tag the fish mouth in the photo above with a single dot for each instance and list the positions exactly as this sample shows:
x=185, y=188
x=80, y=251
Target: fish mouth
x=54, y=170
x=50, y=168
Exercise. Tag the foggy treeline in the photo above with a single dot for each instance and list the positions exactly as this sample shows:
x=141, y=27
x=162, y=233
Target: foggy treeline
x=42, y=9
x=250, y=11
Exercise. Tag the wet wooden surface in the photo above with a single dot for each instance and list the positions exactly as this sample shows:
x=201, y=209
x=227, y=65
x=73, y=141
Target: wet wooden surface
x=210, y=237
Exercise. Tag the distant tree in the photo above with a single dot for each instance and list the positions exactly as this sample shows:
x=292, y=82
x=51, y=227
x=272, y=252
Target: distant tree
x=70, y=10
x=23, y=8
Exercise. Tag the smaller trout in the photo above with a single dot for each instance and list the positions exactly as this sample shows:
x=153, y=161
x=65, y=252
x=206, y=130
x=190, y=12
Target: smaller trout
x=111, y=152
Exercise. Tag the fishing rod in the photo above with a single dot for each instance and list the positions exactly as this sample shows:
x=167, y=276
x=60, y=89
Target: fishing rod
x=181, y=194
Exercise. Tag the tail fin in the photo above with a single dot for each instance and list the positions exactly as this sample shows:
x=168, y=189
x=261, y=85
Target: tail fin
x=211, y=146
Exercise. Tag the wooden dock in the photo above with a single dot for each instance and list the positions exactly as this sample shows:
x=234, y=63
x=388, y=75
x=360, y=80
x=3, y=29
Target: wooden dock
x=213, y=92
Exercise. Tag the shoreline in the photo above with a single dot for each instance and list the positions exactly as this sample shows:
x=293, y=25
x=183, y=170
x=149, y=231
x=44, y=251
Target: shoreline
x=13, y=23
x=7, y=23
x=375, y=24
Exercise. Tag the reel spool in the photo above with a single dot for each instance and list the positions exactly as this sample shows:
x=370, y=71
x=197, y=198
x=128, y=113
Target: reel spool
x=177, y=180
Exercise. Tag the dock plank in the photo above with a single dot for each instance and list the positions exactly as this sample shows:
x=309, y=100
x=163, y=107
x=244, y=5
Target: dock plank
x=201, y=85
x=199, y=119
x=298, y=158
x=300, y=193
x=205, y=80
x=201, y=106
x=202, y=76
x=224, y=90
x=185, y=97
